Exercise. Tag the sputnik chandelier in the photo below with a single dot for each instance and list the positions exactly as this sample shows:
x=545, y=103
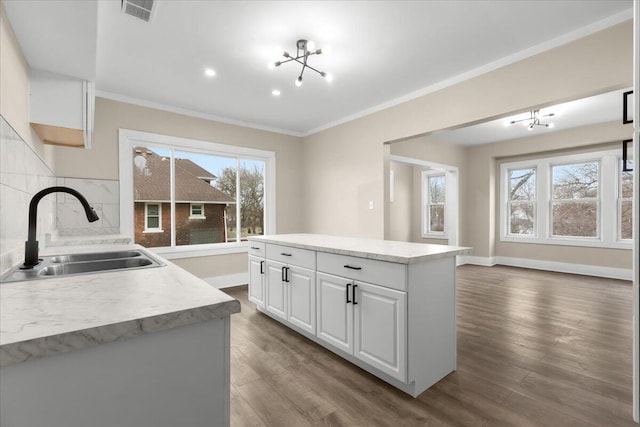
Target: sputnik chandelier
x=534, y=120
x=305, y=49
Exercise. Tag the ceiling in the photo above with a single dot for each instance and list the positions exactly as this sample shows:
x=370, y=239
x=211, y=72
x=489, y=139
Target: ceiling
x=383, y=52
x=606, y=107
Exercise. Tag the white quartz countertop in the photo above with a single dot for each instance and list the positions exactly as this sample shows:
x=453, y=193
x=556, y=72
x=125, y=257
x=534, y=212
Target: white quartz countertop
x=383, y=250
x=57, y=315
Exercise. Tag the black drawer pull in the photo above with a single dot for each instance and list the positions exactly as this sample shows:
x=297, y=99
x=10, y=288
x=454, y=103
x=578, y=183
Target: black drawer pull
x=261, y=267
x=352, y=267
x=284, y=254
x=353, y=295
x=348, y=286
x=286, y=275
x=255, y=248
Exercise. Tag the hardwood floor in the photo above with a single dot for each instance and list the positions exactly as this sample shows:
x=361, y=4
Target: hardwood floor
x=534, y=348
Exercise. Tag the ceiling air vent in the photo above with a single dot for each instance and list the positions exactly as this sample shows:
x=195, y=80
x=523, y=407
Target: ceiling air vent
x=141, y=9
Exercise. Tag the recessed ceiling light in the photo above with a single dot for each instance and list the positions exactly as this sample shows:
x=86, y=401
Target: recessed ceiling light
x=275, y=92
x=209, y=72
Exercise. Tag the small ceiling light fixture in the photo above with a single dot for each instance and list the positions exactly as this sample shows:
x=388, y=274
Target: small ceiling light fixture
x=534, y=120
x=275, y=92
x=209, y=72
x=305, y=49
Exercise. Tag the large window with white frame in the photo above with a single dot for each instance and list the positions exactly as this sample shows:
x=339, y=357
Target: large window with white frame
x=182, y=196
x=434, y=195
x=577, y=200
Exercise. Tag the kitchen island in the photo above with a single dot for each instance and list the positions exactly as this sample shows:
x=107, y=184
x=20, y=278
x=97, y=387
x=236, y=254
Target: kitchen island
x=388, y=307
x=143, y=347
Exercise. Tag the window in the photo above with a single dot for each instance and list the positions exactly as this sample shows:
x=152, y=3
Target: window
x=575, y=199
x=197, y=211
x=434, y=199
x=579, y=200
x=212, y=196
x=153, y=217
x=625, y=201
x=521, y=202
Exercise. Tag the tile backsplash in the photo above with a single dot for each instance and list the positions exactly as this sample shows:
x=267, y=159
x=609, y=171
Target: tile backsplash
x=23, y=174
x=103, y=195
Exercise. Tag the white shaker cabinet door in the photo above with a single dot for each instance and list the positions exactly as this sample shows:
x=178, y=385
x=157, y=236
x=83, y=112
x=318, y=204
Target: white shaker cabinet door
x=257, y=276
x=276, y=291
x=335, y=312
x=380, y=327
x=302, y=298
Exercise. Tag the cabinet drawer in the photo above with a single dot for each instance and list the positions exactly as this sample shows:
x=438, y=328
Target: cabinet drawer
x=257, y=249
x=383, y=273
x=293, y=256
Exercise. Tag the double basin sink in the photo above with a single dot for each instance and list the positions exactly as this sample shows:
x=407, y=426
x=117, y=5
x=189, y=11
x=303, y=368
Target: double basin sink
x=84, y=263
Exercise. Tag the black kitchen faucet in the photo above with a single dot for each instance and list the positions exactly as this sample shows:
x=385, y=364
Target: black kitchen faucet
x=31, y=245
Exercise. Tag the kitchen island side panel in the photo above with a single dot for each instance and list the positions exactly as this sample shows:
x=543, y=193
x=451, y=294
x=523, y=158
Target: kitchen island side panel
x=431, y=321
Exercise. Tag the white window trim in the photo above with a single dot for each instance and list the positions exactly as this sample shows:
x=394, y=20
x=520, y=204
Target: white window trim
x=426, y=223
x=147, y=229
x=192, y=216
x=130, y=138
x=607, y=206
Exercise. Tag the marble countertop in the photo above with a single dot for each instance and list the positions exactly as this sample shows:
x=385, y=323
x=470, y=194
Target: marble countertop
x=62, y=314
x=383, y=250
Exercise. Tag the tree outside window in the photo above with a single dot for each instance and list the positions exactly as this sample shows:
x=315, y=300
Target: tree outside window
x=625, y=202
x=434, y=188
x=522, y=201
x=575, y=199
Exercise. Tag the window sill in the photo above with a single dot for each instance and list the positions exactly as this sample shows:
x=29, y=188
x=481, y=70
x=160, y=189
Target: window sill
x=435, y=236
x=202, y=250
x=591, y=243
x=153, y=231
x=198, y=217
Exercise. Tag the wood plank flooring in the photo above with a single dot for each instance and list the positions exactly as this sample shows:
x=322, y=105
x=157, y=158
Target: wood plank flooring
x=534, y=349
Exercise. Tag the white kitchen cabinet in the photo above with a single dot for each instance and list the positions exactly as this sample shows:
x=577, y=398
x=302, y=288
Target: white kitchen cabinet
x=257, y=280
x=301, y=298
x=276, y=289
x=61, y=108
x=380, y=328
x=291, y=294
x=365, y=320
x=387, y=307
x=335, y=313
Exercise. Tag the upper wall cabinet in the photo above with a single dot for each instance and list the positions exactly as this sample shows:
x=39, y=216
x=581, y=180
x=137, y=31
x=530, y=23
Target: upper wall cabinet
x=61, y=108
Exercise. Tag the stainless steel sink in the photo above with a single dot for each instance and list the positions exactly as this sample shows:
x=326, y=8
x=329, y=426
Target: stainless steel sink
x=91, y=266
x=95, y=256
x=75, y=264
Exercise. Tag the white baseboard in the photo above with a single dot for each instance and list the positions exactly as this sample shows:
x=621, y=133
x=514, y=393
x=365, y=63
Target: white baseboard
x=228, y=280
x=478, y=260
x=560, y=267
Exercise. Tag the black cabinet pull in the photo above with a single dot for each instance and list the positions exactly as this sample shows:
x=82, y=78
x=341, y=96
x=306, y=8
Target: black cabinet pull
x=353, y=296
x=348, y=286
x=286, y=274
x=352, y=267
x=282, y=275
x=255, y=248
x=284, y=254
x=261, y=267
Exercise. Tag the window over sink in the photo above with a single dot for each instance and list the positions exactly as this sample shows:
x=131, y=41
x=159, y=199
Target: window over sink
x=179, y=196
